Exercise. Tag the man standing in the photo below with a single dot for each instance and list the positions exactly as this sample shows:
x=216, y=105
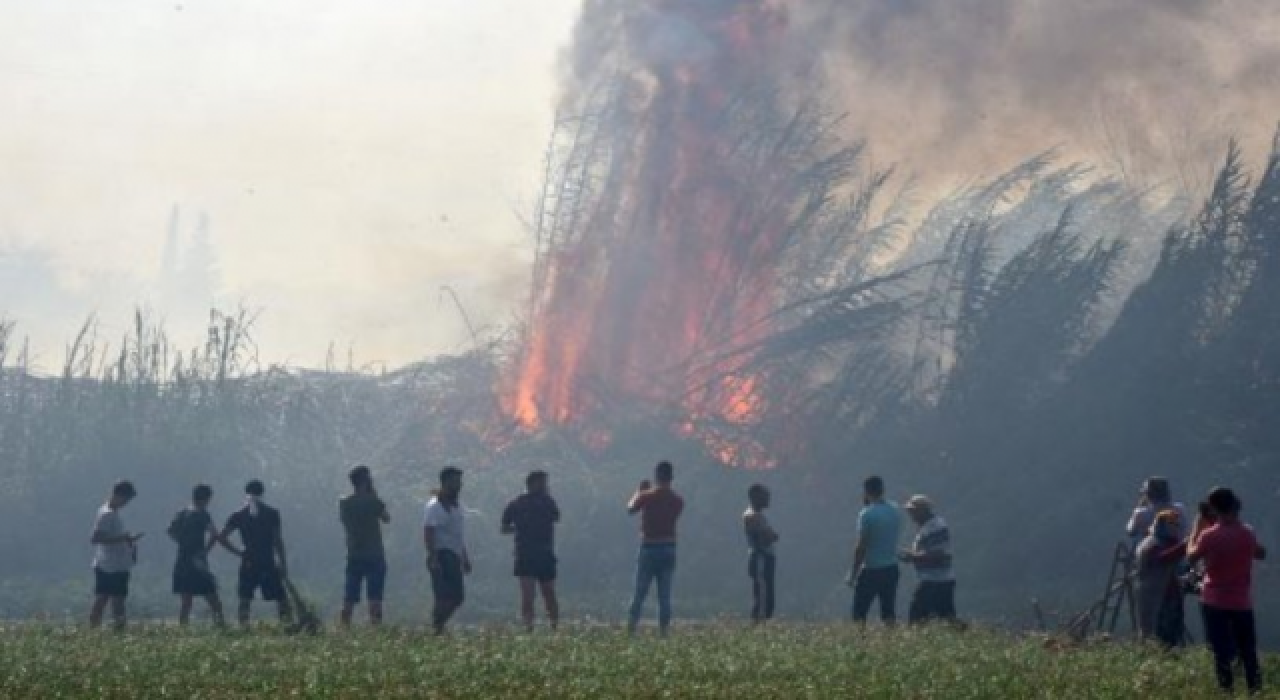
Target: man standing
x=1159, y=591
x=875, y=557
x=363, y=514
x=195, y=534
x=761, y=560
x=935, y=596
x=532, y=518
x=1228, y=549
x=447, y=558
x=659, y=507
x=263, y=566
x=114, y=554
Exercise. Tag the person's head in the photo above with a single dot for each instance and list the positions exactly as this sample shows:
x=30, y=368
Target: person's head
x=758, y=496
x=1157, y=490
x=664, y=473
x=361, y=479
x=873, y=488
x=121, y=493
x=1224, y=503
x=201, y=495
x=450, y=482
x=1167, y=526
x=920, y=508
x=255, y=488
x=536, y=482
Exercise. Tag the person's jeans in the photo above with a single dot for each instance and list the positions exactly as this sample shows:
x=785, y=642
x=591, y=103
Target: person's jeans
x=879, y=583
x=1232, y=634
x=654, y=562
x=761, y=567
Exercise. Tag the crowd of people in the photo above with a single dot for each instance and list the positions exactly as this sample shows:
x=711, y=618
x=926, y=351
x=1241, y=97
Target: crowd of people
x=1213, y=559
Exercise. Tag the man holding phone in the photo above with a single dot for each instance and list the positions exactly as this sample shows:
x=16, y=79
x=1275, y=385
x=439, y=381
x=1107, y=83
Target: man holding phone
x=659, y=508
x=114, y=555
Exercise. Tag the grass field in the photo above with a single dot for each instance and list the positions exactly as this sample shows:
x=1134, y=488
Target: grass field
x=717, y=662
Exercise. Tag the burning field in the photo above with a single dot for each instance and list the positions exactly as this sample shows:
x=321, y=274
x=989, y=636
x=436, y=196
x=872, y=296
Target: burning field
x=680, y=184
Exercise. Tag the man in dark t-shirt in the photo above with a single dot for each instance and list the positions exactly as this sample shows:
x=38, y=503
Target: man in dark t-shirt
x=363, y=514
x=195, y=534
x=262, y=566
x=532, y=518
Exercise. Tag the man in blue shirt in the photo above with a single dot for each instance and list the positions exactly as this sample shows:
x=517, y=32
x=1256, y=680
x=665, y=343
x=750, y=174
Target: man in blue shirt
x=875, y=557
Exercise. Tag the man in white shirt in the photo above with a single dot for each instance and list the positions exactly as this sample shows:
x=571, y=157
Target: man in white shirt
x=935, y=596
x=447, y=559
x=114, y=554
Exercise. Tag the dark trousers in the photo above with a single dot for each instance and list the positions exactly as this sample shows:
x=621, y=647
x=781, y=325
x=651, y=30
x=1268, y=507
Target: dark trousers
x=1231, y=634
x=872, y=584
x=933, y=600
x=761, y=567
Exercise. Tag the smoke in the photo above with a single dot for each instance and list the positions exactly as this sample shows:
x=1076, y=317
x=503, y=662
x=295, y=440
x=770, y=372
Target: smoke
x=1151, y=89
x=1148, y=90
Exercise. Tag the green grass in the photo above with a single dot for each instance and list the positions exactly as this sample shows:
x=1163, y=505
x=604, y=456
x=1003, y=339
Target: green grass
x=794, y=661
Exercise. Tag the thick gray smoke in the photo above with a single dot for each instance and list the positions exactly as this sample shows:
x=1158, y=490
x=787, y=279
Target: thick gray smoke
x=1149, y=87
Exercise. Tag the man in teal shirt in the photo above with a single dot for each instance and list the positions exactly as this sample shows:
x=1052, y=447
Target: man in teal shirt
x=875, y=557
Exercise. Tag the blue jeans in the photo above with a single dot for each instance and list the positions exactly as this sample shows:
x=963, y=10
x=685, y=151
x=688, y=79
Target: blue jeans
x=655, y=561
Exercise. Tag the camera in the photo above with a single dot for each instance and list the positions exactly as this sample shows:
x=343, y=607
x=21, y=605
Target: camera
x=1192, y=582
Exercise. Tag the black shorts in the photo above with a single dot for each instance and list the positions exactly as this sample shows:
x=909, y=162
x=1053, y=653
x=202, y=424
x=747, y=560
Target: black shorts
x=536, y=565
x=446, y=578
x=115, y=585
x=265, y=578
x=193, y=578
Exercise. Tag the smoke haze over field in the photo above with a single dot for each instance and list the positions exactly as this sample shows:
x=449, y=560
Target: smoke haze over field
x=352, y=160
x=1152, y=88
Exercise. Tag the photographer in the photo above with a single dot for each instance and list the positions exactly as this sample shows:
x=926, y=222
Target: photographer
x=1227, y=547
x=1159, y=556
x=1154, y=497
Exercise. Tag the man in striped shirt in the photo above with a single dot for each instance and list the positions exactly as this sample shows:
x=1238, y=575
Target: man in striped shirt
x=934, y=598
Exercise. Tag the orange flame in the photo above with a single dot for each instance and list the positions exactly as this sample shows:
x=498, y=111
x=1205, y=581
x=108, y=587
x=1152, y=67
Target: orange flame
x=676, y=264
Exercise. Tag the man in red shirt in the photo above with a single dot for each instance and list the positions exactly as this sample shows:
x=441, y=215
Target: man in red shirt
x=659, y=508
x=1227, y=547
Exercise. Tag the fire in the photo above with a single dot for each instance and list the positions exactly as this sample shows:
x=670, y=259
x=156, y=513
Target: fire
x=670, y=261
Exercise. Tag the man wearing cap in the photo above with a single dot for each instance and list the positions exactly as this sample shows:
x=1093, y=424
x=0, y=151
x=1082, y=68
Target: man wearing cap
x=1154, y=496
x=935, y=596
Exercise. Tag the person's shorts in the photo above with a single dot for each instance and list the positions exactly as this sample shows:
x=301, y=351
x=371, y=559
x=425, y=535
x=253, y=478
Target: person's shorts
x=365, y=573
x=113, y=584
x=193, y=578
x=261, y=578
x=536, y=565
x=446, y=579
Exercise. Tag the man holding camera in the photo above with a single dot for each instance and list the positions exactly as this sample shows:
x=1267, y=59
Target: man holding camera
x=659, y=508
x=1154, y=497
x=1227, y=548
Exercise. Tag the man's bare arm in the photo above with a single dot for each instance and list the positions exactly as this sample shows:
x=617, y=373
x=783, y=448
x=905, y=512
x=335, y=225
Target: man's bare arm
x=429, y=541
x=859, y=555
x=217, y=538
x=280, y=553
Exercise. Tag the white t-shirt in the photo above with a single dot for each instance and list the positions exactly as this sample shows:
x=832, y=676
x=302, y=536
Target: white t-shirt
x=934, y=537
x=448, y=525
x=114, y=558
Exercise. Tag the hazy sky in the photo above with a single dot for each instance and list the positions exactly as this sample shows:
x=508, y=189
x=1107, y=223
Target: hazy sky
x=352, y=158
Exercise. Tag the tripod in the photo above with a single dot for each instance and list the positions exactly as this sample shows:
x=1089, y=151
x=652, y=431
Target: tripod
x=1104, y=615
